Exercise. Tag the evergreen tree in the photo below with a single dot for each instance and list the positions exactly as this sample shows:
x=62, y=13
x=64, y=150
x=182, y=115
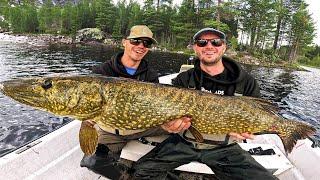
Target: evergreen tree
x=67, y=19
x=256, y=18
x=16, y=19
x=121, y=23
x=135, y=15
x=281, y=14
x=151, y=17
x=86, y=14
x=302, y=31
x=184, y=24
x=165, y=34
x=46, y=17
x=31, y=23
x=106, y=15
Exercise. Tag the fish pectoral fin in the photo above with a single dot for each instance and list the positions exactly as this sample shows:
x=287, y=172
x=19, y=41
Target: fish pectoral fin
x=88, y=138
x=196, y=134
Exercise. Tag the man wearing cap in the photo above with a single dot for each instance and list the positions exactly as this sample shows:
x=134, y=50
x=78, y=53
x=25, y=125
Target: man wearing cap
x=128, y=64
x=220, y=75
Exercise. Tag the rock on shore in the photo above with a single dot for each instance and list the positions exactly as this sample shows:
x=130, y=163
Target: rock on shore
x=35, y=39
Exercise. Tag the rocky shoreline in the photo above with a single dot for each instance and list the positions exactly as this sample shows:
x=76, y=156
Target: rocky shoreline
x=36, y=39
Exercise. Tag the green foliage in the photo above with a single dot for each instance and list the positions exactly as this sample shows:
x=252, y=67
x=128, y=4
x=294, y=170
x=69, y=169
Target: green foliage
x=313, y=52
x=304, y=60
x=67, y=20
x=217, y=25
x=184, y=24
x=106, y=15
x=23, y=19
x=233, y=43
x=49, y=18
x=4, y=24
x=135, y=14
x=315, y=61
x=86, y=14
x=264, y=25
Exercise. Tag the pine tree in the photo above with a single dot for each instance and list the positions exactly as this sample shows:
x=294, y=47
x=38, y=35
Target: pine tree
x=185, y=24
x=302, y=32
x=106, y=15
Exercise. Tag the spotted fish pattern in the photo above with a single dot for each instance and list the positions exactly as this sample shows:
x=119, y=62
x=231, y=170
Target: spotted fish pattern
x=126, y=104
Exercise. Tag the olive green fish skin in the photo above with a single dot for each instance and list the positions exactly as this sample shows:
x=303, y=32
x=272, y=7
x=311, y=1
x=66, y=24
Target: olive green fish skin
x=130, y=105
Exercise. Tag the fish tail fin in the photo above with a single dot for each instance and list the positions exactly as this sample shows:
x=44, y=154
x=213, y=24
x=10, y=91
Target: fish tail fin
x=88, y=138
x=294, y=132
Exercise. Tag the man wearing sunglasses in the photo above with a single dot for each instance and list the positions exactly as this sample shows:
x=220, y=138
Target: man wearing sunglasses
x=129, y=64
x=220, y=75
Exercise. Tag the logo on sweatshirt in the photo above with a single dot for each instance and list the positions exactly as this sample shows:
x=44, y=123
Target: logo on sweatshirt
x=218, y=92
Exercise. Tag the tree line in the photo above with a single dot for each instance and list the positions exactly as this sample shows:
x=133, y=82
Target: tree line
x=271, y=29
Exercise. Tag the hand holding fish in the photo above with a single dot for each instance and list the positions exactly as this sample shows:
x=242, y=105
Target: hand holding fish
x=89, y=123
x=181, y=124
x=242, y=136
x=177, y=125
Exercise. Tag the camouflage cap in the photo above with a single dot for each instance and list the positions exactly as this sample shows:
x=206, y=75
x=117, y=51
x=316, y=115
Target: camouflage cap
x=140, y=31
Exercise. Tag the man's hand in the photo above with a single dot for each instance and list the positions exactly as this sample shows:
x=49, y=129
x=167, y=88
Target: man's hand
x=242, y=136
x=177, y=125
x=89, y=123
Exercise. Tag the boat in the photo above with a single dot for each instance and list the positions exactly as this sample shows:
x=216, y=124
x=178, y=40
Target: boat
x=57, y=155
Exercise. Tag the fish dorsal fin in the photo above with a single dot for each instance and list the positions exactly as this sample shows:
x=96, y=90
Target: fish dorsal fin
x=196, y=134
x=88, y=138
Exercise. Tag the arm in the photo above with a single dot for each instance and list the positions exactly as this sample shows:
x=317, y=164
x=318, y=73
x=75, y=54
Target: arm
x=182, y=80
x=251, y=87
x=151, y=76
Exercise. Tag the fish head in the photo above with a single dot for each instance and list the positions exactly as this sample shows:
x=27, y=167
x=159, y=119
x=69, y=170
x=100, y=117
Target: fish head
x=71, y=96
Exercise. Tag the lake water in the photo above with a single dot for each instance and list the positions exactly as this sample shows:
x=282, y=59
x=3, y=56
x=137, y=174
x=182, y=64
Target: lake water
x=297, y=93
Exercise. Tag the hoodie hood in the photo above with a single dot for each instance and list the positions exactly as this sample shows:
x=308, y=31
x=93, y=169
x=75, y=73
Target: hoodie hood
x=119, y=68
x=232, y=74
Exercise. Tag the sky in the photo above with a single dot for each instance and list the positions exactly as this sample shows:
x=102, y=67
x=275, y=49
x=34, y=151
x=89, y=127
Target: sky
x=313, y=8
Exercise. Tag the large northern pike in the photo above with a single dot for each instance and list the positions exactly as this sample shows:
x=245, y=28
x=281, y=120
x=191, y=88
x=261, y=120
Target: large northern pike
x=130, y=105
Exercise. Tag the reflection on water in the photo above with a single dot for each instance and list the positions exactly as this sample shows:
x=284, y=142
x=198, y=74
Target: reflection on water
x=295, y=92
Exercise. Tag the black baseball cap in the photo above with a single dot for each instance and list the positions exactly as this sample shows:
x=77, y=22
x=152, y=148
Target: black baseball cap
x=211, y=30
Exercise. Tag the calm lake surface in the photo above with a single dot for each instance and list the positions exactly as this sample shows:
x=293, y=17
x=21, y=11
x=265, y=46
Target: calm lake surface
x=297, y=93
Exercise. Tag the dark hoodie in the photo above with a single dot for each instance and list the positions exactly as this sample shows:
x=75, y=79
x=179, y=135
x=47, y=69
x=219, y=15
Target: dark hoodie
x=234, y=80
x=115, y=68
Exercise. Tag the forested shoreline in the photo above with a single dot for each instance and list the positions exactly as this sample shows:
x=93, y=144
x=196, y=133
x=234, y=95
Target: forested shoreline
x=273, y=30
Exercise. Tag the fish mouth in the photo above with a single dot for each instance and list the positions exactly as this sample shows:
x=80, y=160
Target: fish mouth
x=25, y=98
x=17, y=91
x=29, y=100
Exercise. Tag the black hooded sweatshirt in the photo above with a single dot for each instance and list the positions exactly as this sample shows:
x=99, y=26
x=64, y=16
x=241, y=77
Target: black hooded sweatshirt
x=115, y=68
x=234, y=80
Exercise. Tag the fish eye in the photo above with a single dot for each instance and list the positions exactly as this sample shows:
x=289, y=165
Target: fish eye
x=47, y=84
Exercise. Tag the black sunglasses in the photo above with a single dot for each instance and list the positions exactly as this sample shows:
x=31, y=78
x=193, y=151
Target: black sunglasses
x=137, y=41
x=204, y=42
